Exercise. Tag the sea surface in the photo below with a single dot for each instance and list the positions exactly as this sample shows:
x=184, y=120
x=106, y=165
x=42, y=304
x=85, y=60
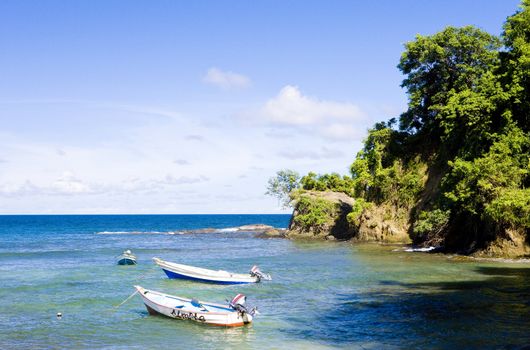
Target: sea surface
x=323, y=294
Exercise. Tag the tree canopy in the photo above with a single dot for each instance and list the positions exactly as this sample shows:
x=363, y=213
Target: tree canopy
x=281, y=186
x=460, y=156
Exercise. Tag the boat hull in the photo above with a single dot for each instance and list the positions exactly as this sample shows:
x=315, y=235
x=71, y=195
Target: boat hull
x=157, y=304
x=126, y=261
x=180, y=271
x=175, y=275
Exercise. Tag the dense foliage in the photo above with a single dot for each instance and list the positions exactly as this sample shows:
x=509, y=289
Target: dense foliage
x=314, y=213
x=327, y=182
x=459, y=156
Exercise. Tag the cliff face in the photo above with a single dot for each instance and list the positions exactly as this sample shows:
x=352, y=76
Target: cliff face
x=328, y=215
x=383, y=224
x=324, y=215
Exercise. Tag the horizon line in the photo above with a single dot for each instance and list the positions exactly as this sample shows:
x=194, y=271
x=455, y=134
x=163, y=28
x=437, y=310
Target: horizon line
x=65, y=214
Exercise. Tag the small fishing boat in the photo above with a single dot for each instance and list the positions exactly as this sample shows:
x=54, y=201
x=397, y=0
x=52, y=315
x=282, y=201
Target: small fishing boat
x=232, y=315
x=173, y=270
x=127, y=258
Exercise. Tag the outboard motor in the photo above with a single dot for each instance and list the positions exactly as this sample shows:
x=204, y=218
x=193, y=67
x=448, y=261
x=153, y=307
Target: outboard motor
x=238, y=303
x=256, y=272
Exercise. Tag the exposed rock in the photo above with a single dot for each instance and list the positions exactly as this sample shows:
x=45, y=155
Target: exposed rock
x=271, y=233
x=318, y=215
x=512, y=244
x=383, y=224
x=255, y=227
x=201, y=230
x=323, y=215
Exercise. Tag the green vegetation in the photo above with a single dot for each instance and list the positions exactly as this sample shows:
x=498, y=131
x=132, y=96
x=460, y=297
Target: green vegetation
x=429, y=223
x=458, y=159
x=356, y=212
x=281, y=186
x=314, y=213
x=327, y=182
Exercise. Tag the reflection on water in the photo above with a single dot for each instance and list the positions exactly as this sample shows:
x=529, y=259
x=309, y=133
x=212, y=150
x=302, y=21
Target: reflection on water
x=323, y=295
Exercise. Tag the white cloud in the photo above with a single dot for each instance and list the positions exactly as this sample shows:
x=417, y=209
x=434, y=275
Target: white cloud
x=338, y=131
x=69, y=184
x=226, y=79
x=138, y=165
x=291, y=107
x=292, y=112
x=61, y=187
x=323, y=153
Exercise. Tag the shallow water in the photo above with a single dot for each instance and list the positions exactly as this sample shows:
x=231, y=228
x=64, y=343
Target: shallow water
x=327, y=295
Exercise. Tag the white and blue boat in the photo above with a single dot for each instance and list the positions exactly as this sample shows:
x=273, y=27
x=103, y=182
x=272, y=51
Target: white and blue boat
x=233, y=314
x=127, y=258
x=198, y=274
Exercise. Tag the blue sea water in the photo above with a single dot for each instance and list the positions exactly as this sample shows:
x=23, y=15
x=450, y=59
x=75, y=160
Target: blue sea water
x=323, y=294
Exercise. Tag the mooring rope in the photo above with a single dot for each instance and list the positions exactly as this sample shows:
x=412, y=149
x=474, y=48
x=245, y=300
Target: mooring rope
x=126, y=300
x=149, y=270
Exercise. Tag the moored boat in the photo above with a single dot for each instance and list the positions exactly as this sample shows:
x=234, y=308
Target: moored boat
x=127, y=258
x=199, y=274
x=232, y=315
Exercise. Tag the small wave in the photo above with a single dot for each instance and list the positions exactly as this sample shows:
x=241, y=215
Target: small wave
x=244, y=228
x=228, y=229
x=503, y=260
x=423, y=249
x=131, y=232
x=195, y=231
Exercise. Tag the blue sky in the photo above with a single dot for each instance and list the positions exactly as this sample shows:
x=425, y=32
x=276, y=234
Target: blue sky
x=189, y=107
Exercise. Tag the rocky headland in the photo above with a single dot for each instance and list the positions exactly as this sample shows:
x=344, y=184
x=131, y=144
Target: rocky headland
x=328, y=215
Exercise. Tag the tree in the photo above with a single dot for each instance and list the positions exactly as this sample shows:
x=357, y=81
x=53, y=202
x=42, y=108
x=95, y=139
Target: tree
x=437, y=68
x=281, y=186
x=516, y=64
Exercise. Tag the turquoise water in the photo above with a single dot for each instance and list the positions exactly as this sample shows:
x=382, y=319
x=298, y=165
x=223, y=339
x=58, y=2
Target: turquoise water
x=323, y=295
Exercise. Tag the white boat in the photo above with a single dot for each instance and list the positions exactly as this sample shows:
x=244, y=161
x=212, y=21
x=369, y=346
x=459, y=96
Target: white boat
x=127, y=258
x=232, y=315
x=182, y=271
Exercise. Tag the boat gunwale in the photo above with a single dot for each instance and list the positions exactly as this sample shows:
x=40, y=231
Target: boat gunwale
x=228, y=310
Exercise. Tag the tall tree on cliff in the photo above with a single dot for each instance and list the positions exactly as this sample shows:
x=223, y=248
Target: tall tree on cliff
x=516, y=64
x=451, y=88
x=282, y=184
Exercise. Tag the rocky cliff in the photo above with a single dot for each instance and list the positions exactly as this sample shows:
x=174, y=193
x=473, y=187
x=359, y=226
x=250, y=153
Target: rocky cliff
x=328, y=215
x=336, y=216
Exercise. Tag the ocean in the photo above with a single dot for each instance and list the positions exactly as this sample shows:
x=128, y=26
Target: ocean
x=323, y=294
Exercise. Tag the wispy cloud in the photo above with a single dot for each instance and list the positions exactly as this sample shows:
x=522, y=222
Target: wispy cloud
x=131, y=108
x=68, y=184
x=323, y=153
x=194, y=137
x=181, y=162
x=226, y=79
x=343, y=131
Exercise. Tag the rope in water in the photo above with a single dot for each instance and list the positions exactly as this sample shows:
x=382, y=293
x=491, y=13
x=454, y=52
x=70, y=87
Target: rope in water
x=130, y=296
x=126, y=300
